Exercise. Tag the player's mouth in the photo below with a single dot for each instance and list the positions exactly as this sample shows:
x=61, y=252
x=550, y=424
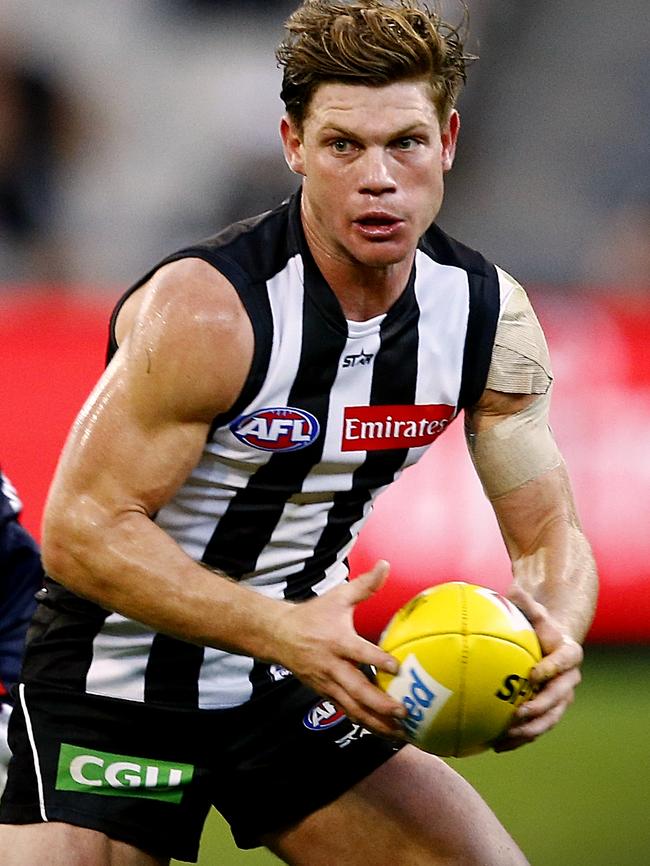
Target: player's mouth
x=378, y=225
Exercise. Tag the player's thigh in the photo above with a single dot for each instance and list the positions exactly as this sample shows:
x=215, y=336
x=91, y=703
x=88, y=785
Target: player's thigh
x=413, y=809
x=58, y=844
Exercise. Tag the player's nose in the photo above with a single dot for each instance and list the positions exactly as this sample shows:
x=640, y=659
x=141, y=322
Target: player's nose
x=375, y=175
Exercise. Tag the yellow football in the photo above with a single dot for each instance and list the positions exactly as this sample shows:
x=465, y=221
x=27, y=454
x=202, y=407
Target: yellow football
x=465, y=655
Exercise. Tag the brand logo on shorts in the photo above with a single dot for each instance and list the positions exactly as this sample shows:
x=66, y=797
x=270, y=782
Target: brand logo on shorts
x=279, y=673
x=90, y=772
x=323, y=715
x=375, y=428
x=277, y=429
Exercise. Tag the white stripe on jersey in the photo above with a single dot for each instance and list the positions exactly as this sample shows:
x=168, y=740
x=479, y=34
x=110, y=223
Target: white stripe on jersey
x=231, y=687
x=442, y=293
x=286, y=295
x=506, y=287
x=120, y=639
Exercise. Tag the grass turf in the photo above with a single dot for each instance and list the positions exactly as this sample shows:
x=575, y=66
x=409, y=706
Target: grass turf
x=579, y=796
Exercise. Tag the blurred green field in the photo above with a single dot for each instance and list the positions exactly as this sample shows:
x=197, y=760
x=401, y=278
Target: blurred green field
x=580, y=796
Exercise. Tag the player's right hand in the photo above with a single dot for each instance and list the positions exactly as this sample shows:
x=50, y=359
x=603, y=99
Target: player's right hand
x=317, y=641
x=554, y=678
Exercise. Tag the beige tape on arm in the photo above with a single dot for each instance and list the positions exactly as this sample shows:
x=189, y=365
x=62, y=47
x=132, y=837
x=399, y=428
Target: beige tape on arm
x=515, y=450
x=520, y=360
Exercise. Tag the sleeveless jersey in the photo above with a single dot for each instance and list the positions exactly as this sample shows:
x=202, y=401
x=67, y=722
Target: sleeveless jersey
x=331, y=413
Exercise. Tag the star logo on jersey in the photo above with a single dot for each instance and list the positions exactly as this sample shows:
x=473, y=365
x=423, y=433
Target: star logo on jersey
x=276, y=428
x=358, y=360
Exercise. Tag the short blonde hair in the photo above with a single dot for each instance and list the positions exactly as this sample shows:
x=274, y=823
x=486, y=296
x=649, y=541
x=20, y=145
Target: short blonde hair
x=373, y=43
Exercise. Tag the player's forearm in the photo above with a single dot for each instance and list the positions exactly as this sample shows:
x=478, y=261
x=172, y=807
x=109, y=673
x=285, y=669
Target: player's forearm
x=551, y=558
x=560, y=572
x=127, y=564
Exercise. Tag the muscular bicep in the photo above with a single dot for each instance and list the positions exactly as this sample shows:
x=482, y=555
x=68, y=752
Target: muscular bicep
x=182, y=360
x=128, y=450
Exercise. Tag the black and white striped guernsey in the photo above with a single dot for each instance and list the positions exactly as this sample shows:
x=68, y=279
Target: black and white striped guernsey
x=331, y=413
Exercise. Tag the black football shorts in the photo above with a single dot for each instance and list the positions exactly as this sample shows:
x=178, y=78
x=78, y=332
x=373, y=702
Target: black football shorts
x=147, y=775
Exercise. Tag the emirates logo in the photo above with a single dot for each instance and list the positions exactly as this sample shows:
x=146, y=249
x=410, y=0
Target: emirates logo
x=375, y=428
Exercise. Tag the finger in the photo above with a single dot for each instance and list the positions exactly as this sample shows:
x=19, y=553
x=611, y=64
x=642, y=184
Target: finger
x=560, y=651
x=364, y=652
x=368, y=695
x=565, y=657
x=357, y=712
x=366, y=585
x=534, y=728
x=549, y=635
x=559, y=691
x=533, y=610
x=508, y=741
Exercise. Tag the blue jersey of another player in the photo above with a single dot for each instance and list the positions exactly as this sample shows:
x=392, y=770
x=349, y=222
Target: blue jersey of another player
x=21, y=576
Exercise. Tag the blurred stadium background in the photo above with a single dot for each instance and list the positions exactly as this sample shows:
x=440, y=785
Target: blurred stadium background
x=131, y=128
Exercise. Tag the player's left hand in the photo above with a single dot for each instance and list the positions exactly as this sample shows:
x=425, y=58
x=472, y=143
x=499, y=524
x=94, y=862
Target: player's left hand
x=556, y=676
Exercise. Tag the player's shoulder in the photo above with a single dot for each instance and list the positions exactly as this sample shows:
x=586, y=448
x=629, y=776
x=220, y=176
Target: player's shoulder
x=187, y=295
x=447, y=250
x=253, y=249
x=213, y=274
x=185, y=342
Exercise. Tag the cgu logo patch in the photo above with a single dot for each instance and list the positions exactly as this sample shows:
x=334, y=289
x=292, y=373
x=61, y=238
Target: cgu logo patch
x=276, y=429
x=88, y=771
x=323, y=715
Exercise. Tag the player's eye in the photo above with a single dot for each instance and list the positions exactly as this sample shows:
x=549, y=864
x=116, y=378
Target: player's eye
x=341, y=145
x=407, y=143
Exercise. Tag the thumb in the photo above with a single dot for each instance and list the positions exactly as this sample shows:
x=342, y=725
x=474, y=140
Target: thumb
x=366, y=585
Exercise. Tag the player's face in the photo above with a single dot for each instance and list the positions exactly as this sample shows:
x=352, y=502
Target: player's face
x=373, y=160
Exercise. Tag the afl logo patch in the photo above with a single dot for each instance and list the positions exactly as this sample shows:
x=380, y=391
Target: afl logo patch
x=323, y=715
x=276, y=429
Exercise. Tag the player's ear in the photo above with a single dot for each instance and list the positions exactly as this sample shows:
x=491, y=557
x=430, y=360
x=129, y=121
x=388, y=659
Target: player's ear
x=292, y=145
x=449, y=137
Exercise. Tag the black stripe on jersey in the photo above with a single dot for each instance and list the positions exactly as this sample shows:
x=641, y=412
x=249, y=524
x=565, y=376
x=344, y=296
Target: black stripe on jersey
x=246, y=527
x=484, y=306
x=398, y=351
x=172, y=672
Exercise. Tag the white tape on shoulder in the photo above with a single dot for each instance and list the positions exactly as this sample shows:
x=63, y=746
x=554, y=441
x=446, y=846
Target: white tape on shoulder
x=516, y=450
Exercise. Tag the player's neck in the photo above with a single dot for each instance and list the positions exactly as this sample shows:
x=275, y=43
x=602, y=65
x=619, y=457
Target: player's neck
x=363, y=291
